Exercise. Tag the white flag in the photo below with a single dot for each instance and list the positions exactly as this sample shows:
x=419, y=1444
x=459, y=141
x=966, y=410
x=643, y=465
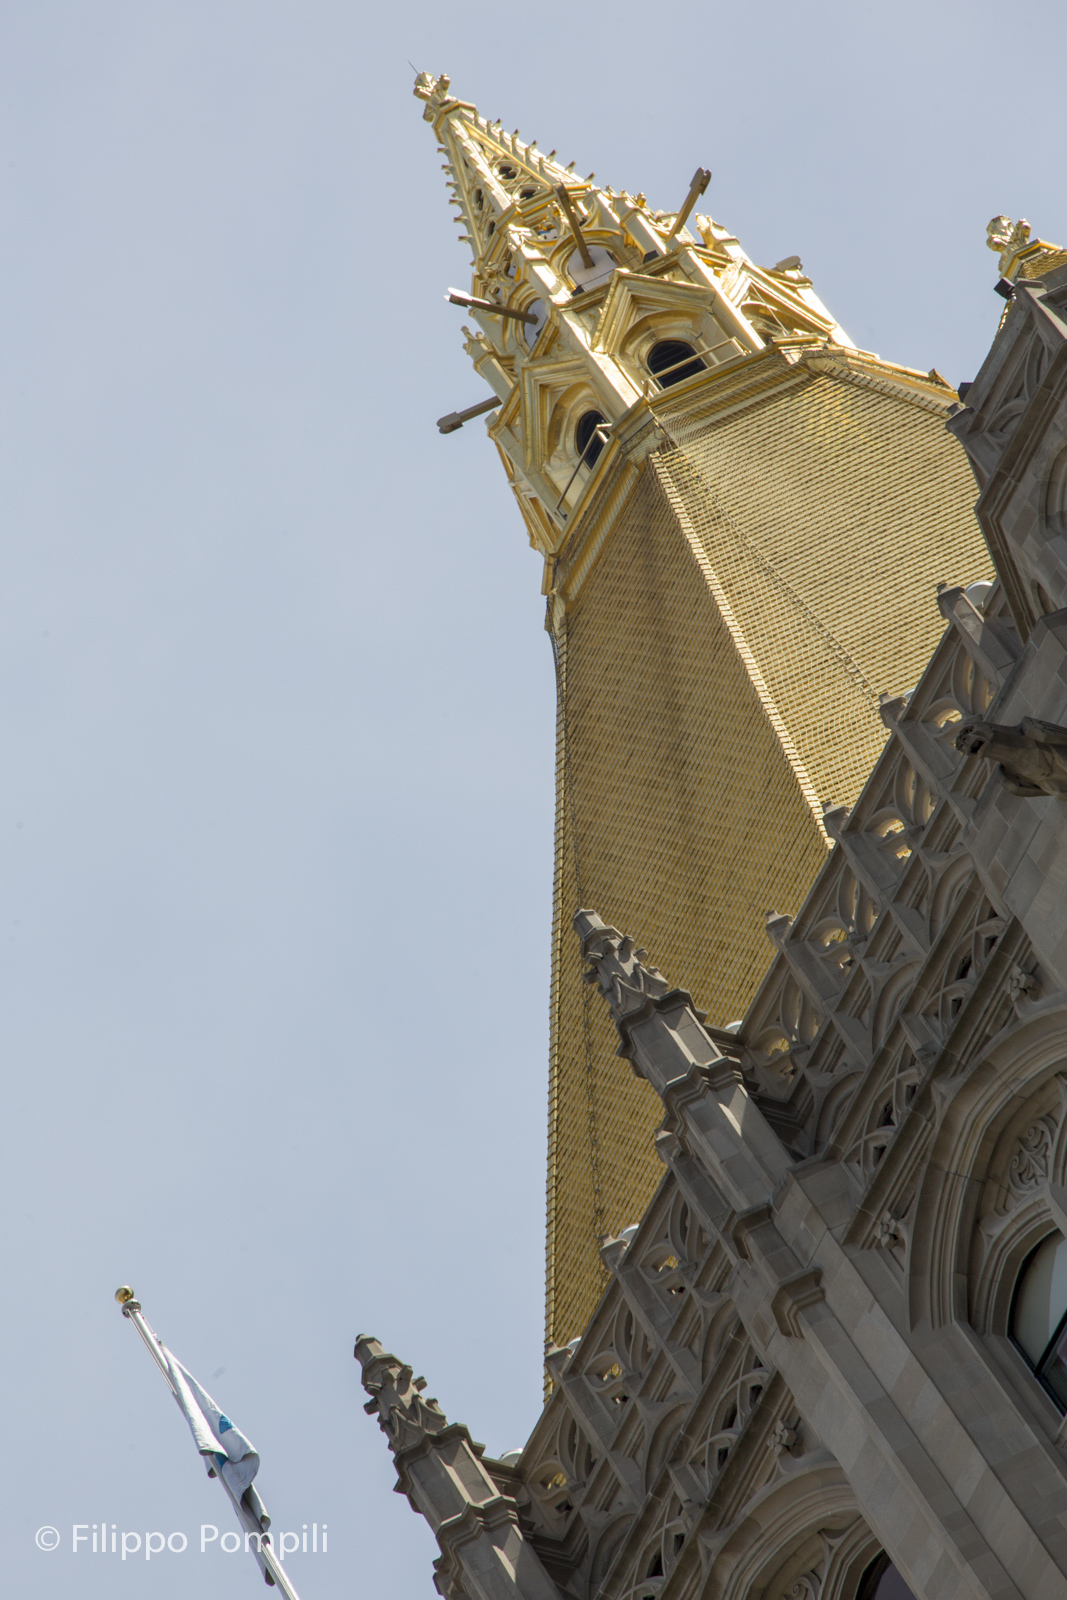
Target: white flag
x=224, y=1447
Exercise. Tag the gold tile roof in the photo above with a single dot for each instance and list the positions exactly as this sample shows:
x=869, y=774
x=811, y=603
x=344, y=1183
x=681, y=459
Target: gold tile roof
x=721, y=664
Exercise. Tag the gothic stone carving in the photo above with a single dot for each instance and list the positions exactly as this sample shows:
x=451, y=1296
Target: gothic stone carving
x=806, y=1332
x=618, y=968
x=1032, y=756
x=396, y=1397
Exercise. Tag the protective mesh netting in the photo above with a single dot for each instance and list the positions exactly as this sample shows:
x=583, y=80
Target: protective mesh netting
x=824, y=697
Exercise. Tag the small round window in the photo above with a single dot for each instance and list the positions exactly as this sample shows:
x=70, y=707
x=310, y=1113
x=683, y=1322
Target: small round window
x=1039, y=1315
x=587, y=441
x=882, y=1581
x=673, y=360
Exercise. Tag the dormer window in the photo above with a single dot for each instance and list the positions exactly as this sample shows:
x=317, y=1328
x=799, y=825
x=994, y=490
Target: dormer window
x=588, y=443
x=1039, y=1315
x=672, y=361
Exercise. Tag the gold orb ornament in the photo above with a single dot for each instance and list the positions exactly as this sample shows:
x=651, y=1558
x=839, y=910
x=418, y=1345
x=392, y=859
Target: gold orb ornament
x=124, y=1294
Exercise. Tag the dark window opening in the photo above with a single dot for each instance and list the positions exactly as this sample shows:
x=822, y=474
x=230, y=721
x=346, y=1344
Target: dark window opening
x=588, y=443
x=882, y=1581
x=1038, y=1324
x=507, y=172
x=672, y=361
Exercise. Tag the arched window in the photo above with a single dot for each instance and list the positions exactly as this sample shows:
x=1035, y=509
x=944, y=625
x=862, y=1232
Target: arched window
x=882, y=1581
x=531, y=330
x=672, y=360
x=1039, y=1314
x=588, y=443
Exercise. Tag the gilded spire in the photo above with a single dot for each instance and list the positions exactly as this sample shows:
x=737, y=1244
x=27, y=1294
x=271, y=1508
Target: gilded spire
x=589, y=281
x=741, y=517
x=498, y=181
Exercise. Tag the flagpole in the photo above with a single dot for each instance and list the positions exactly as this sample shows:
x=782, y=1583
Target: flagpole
x=131, y=1309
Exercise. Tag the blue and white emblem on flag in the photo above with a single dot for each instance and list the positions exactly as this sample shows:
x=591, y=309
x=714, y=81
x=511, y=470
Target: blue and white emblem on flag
x=225, y=1449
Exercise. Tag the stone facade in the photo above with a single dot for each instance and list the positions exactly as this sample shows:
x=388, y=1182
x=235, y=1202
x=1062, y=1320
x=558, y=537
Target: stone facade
x=802, y=1365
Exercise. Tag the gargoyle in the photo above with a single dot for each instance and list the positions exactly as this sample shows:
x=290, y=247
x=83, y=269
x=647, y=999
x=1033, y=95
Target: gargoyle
x=1032, y=756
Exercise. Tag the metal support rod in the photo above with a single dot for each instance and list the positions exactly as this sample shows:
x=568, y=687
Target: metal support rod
x=601, y=432
x=131, y=1309
x=456, y=419
x=456, y=297
x=701, y=179
x=567, y=207
x=657, y=377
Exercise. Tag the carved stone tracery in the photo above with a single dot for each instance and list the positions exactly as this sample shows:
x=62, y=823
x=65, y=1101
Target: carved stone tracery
x=1029, y=1166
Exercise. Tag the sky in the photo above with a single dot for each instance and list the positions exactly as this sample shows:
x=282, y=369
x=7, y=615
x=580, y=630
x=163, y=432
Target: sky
x=276, y=703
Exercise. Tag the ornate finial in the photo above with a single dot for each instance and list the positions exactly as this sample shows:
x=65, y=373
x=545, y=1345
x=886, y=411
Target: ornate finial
x=434, y=91
x=618, y=966
x=125, y=1298
x=427, y=87
x=1021, y=256
x=396, y=1396
x=1007, y=239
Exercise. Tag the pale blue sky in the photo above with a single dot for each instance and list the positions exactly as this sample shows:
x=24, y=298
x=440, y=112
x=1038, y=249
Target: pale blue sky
x=276, y=702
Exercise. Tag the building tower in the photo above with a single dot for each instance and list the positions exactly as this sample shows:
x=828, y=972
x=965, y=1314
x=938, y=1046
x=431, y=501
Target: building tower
x=742, y=519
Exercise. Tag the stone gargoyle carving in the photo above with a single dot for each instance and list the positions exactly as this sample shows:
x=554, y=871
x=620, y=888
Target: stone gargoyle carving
x=1032, y=756
x=403, y=1415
